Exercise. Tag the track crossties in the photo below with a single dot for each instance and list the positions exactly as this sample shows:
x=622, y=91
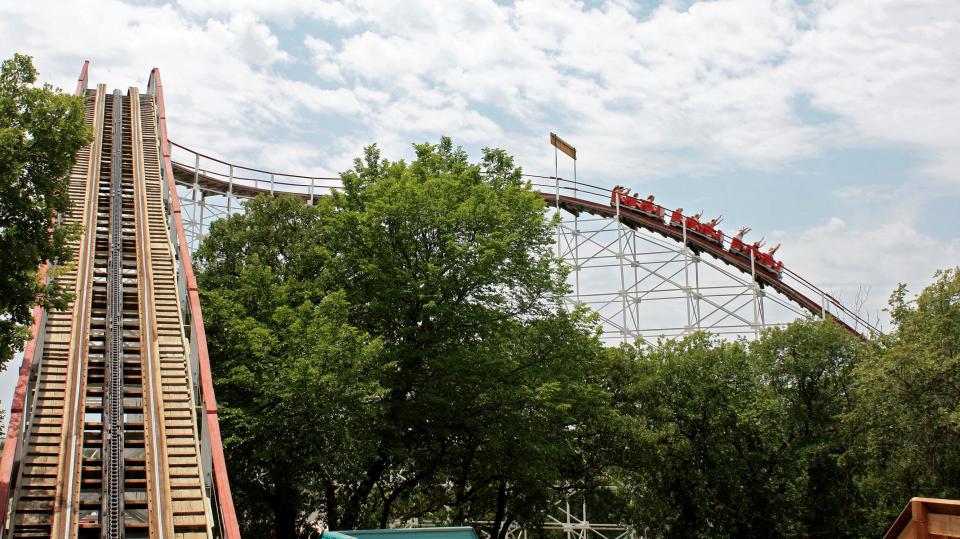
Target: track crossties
x=112, y=445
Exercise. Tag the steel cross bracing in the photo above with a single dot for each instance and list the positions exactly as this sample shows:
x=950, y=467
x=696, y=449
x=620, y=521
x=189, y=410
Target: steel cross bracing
x=645, y=287
x=569, y=517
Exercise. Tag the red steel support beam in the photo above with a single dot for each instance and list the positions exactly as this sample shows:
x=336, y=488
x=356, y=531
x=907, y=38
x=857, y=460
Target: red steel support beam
x=82, y=80
x=11, y=442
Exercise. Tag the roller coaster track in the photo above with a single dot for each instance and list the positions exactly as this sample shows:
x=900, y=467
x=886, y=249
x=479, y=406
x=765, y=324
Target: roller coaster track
x=203, y=177
x=827, y=306
x=113, y=431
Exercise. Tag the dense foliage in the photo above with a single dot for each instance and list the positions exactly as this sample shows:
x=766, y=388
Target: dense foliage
x=41, y=130
x=393, y=353
x=746, y=438
x=906, y=416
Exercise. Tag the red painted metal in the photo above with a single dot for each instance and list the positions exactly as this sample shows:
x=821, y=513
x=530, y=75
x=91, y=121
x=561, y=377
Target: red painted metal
x=12, y=440
x=676, y=218
x=82, y=80
x=221, y=483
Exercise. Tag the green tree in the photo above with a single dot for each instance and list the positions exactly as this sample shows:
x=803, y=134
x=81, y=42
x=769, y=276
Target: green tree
x=41, y=130
x=521, y=434
x=907, y=413
x=451, y=383
x=713, y=427
x=741, y=441
x=810, y=366
x=296, y=383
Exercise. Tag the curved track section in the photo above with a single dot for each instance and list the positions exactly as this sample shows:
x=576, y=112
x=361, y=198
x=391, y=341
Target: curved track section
x=635, y=270
x=788, y=284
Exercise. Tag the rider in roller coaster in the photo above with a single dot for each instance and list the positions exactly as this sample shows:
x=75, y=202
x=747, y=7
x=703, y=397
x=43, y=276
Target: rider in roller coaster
x=621, y=196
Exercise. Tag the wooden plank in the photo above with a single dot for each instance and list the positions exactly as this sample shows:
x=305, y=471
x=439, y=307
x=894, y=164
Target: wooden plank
x=944, y=525
x=563, y=145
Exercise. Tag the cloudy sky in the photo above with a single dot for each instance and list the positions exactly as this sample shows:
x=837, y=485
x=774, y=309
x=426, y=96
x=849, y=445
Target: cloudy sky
x=832, y=126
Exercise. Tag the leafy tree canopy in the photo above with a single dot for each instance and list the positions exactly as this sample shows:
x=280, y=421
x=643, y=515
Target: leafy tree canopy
x=41, y=130
x=396, y=351
x=907, y=412
x=743, y=440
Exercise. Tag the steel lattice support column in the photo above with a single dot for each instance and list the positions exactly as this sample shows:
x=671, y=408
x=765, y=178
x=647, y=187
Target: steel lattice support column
x=644, y=286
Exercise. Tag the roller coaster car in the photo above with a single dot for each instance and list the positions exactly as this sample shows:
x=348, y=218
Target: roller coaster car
x=711, y=233
x=625, y=200
x=769, y=263
x=676, y=219
x=651, y=209
x=739, y=247
x=693, y=225
x=644, y=206
x=764, y=260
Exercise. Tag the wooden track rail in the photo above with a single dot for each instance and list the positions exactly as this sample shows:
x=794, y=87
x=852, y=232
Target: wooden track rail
x=109, y=445
x=176, y=422
x=35, y=501
x=216, y=469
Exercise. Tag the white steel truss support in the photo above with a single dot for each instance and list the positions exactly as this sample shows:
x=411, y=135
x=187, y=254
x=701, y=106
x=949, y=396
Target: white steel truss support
x=201, y=208
x=569, y=518
x=633, y=278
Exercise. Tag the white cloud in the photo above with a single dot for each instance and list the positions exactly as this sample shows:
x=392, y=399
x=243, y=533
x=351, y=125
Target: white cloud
x=222, y=90
x=322, y=57
x=683, y=89
x=720, y=78
x=634, y=90
x=283, y=11
x=868, y=193
x=249, y=37
x=889, y=68
x=844, y=260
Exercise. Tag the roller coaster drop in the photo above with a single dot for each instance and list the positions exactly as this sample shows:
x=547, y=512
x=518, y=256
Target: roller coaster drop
x=113, y=430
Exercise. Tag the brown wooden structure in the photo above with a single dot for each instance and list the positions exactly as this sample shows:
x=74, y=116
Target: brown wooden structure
x=925, y=518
